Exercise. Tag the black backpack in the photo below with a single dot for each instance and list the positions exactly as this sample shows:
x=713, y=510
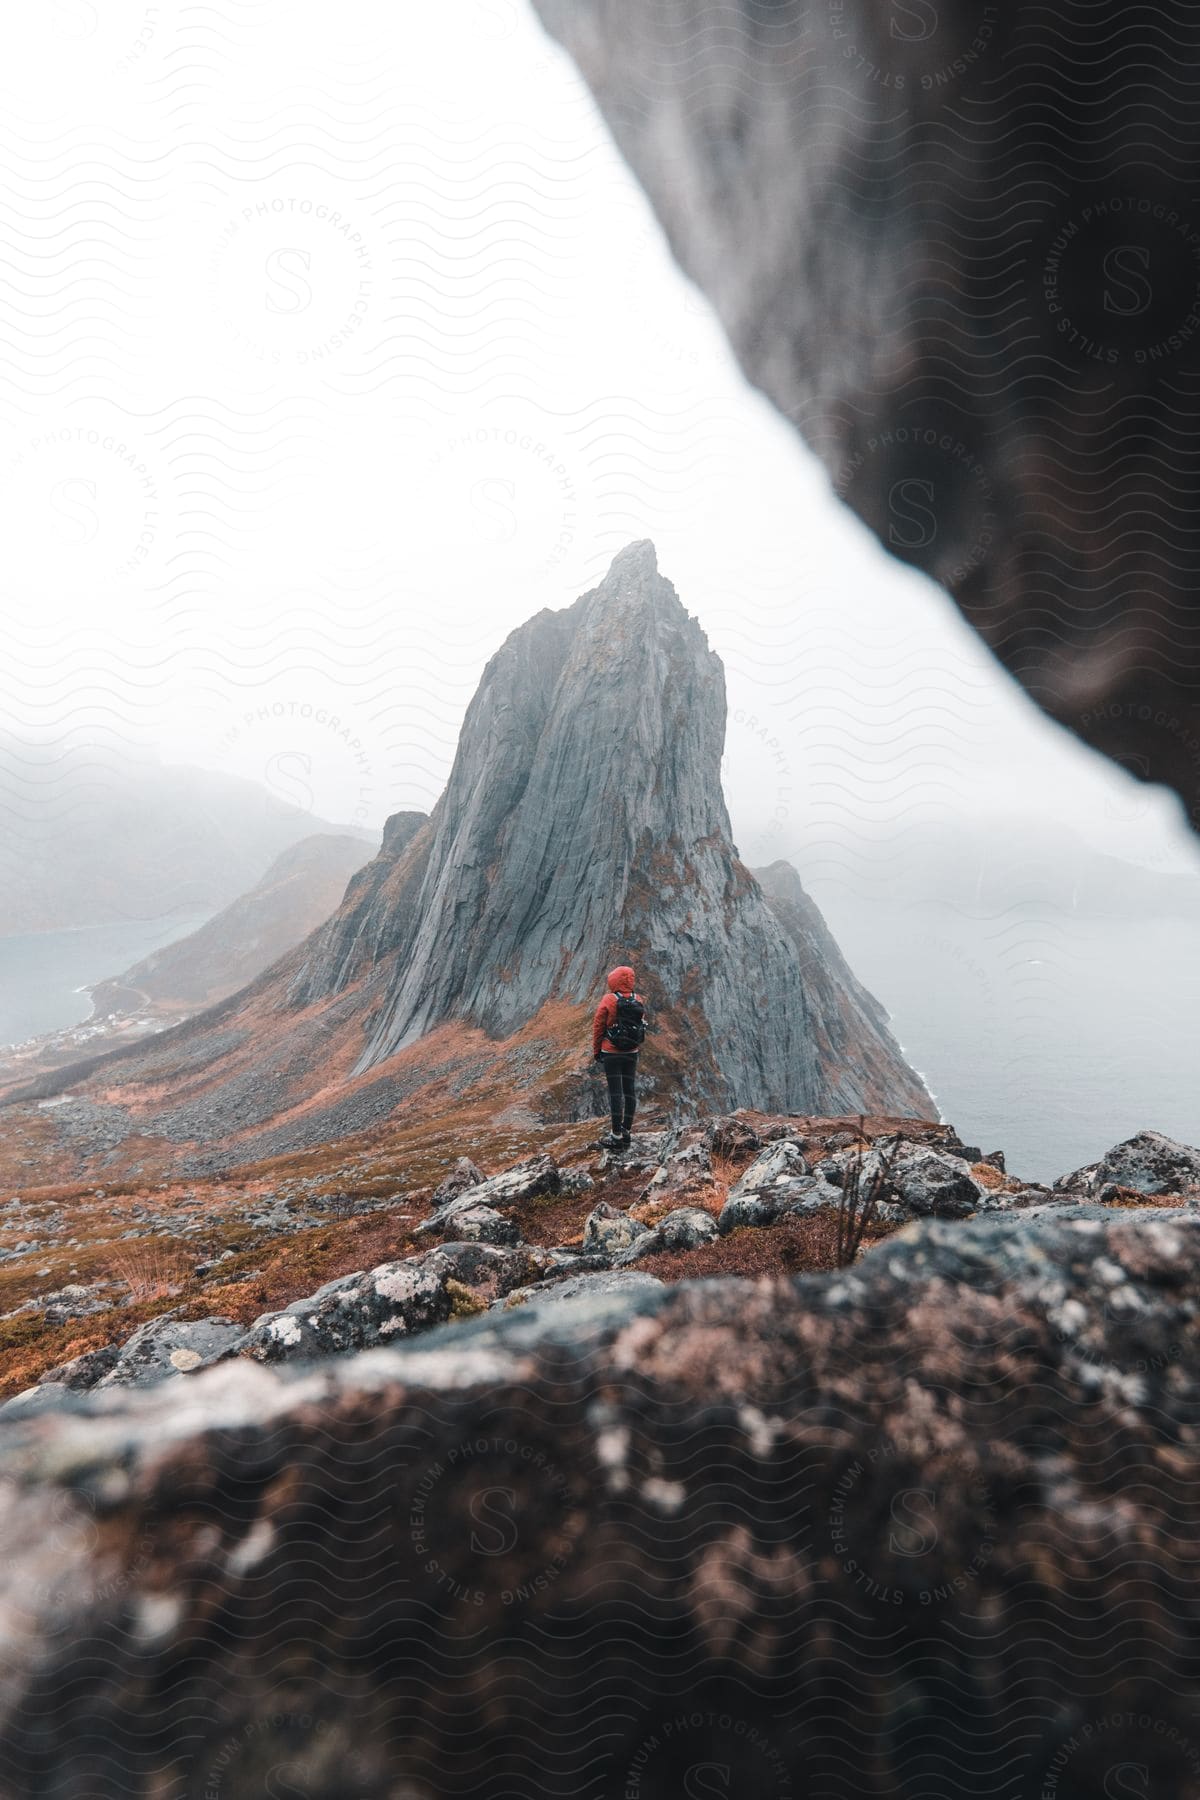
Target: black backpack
x=628, y=1028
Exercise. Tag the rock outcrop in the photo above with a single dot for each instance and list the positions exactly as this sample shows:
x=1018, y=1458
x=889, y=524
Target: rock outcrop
x=1147, y=1163
x=957, y=245
x=626, y=1534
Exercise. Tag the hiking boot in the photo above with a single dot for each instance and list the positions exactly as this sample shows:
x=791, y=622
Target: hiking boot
x=625, y=1140
x=613, y=1140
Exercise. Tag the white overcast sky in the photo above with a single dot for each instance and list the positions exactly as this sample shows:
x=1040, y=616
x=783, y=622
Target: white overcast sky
x=338, y=340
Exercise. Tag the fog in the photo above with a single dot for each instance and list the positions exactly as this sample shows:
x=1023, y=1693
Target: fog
x=330, y=362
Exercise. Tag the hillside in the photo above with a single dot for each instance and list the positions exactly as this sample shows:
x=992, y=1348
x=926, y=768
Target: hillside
x=304, y=884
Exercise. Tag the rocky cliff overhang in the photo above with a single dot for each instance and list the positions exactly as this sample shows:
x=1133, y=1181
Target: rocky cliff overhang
x=959, y=247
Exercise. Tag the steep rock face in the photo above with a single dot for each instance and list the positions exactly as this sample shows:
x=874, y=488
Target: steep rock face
x=958, y=246
x=861, y=1064
x=302, y=887
x=631, y=1543
x=583, y=822
x=375, y=915
x=583, y=825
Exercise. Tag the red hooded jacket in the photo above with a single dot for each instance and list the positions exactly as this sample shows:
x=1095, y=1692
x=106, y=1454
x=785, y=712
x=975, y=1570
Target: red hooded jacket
x=619, y=980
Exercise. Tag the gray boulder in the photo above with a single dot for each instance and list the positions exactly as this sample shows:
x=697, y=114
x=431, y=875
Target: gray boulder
x=685, y=1229
x=166, y=1347
x=392, y=1301
x=778, y=1163
x=1148, y=1161
x=483, y=1225
x=462, y=1176
x=778, y=1181
x=685, y=1170
x=731, y=1135
x=609, y=1231
x=801, y=1194
x=157, y=1351
x=647, y=1151
x=930, y=1184
x=597, y=1284
x=525, y=1181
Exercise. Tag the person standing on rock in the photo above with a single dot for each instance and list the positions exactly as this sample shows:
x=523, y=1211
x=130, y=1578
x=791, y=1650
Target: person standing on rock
x=618, y=1029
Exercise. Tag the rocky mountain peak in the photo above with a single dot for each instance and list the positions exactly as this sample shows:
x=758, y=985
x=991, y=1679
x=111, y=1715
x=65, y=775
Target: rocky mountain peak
x=583, y=823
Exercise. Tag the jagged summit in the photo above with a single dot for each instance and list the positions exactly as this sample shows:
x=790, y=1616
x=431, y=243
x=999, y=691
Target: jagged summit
x=584, y=821
x=583, y=824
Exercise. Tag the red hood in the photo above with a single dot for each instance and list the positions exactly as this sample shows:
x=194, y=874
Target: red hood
x=621, y=978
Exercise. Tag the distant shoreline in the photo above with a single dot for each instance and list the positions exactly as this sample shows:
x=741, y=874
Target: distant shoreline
x=131, y=921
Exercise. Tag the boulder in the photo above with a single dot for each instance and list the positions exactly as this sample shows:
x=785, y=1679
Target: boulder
x=1017, y=1198
x=597, y=1284
x=608, y=1230
x=392, y=1300
x=731, y=1135
x=525, y=1181
x=608, y=1540
x=1148, y=1162
x=687, y=1170
x=930, y=1183
x=157, y=1351
x=483, y=1225
x=777, y=1182
x=462, y=1176
x=647, y=1151
x=778, y=1163
x=685, y=1229
x=800, y=1194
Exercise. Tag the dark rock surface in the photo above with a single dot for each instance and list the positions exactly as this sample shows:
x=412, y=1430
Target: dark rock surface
x=393, y=1300
x=684, y=1229
x=608, y=1231
x=1148, y=1163
x=958, y=247
x=974, y=1454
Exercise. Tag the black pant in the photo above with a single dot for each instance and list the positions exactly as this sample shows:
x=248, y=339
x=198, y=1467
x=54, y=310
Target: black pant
x=620, y=1070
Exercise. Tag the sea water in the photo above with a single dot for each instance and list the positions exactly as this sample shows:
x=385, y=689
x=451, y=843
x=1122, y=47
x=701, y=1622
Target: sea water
x=44, y=976
x=1050, y=1036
